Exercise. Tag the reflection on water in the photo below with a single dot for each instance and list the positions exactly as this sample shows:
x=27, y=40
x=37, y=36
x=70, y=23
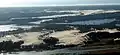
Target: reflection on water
x=91, y=22
x=39, y=22
x=43, y=53
x=117, y=25
x=53, y=52
x=13, y=27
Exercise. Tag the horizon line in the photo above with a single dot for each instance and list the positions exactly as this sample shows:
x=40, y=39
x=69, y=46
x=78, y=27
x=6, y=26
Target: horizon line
x=54, y=5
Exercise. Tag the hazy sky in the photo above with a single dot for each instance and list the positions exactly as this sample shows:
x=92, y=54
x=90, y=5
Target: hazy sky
x=54, y=2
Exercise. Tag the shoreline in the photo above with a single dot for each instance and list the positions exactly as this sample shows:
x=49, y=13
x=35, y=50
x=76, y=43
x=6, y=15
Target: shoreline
x=60, y=35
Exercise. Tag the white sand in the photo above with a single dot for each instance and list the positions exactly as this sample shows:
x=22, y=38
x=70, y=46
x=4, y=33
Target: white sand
x=28, y=38
x=69, y=37
x=65, y=37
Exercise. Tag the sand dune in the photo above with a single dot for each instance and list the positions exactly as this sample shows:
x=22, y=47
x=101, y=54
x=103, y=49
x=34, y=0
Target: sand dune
x=65, y=37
